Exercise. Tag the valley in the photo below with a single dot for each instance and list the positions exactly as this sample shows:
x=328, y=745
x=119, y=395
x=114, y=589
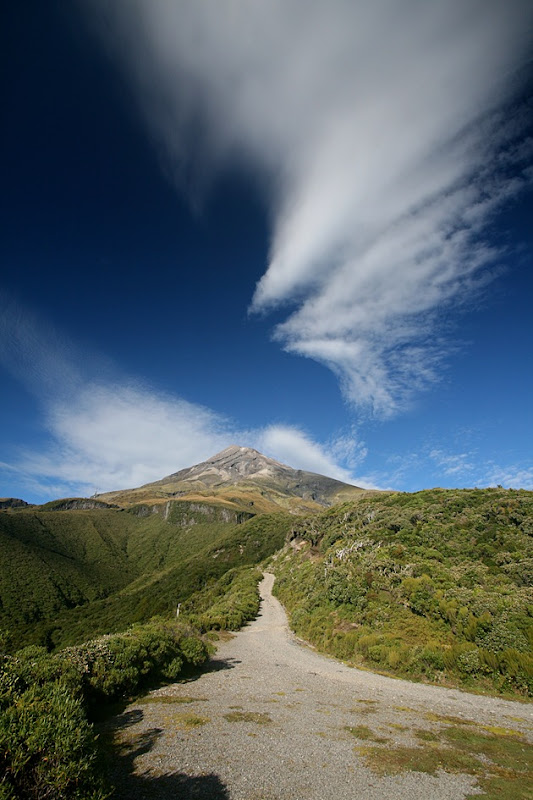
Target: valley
x=434, y=587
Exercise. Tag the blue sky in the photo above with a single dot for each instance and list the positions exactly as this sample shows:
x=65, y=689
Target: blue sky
x=304, y=228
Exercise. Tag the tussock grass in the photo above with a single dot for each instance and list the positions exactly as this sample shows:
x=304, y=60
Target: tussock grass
x=169, y=699
x=365, y=733
x=248, y=716
x=502, y=763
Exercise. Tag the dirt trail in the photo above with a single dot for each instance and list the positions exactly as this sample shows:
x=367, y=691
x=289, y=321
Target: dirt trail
x=270, y=721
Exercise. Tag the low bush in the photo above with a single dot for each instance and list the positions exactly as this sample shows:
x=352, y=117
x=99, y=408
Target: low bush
x=429, y=585
x=47, y=746
x=229, y=603
x=47, y=743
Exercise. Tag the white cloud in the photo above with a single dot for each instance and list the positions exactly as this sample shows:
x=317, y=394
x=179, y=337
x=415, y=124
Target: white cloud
x=512, y=476
x=121, y=436
x=112, y=433
x=378, y=128
x=470, y=469
x=292, y=446
x=459, y=464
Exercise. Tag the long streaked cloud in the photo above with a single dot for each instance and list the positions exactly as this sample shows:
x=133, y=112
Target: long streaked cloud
x=105, y=431
x=383, y=137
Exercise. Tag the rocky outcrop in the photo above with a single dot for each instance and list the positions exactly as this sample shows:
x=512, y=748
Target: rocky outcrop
x=13, y=502
x=77, y=504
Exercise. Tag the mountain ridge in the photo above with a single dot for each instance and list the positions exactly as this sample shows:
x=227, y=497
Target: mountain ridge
x=241, y=477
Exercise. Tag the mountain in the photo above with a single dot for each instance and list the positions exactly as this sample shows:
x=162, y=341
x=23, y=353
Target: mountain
x=78, y=566
x=13, y=502
x=241, y=478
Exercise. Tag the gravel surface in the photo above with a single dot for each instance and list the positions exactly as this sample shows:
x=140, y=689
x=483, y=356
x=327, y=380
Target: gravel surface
x=270, y=721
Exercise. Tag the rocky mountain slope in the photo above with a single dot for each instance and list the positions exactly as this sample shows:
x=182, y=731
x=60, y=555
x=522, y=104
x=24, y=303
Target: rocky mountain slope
x=242, y=478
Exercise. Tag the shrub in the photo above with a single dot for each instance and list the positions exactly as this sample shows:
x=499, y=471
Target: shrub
x=469, y=661
x=502, y=636
x=441, y=573
x=47, y=746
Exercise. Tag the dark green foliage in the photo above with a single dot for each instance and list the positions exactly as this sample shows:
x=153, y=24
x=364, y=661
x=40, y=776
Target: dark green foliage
x=47, y=744
x=66, y=576
x=228, y=603
x=432, y=584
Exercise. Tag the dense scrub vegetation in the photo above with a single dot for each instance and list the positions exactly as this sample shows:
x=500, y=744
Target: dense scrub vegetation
x=47, y=744
x=435, y=584
x=48, y=748
x=66, y=576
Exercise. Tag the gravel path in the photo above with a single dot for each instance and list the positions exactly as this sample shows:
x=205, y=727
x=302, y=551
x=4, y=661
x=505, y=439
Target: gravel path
x=270, y=721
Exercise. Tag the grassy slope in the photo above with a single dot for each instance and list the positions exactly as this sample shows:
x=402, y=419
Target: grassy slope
x=433, y=584
x=53, y=560
x=66, y=576
x=243, y=497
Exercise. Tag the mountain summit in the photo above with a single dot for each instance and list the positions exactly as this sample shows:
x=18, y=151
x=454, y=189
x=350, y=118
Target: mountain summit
x=243, y=478
x=232, y=465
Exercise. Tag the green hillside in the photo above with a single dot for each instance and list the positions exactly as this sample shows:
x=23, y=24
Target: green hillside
x=68, y=575
x=433, y=585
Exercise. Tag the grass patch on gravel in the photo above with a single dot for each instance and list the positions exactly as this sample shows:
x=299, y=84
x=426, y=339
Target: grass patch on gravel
x=187, y=721
x=447, y=719
x=365, y=733
x=496, y=730
x=169, y=699
x=365, y=707
x=427, y=736
x=248, y=716
x=501, y=762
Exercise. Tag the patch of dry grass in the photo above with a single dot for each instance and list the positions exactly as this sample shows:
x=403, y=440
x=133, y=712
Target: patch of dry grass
x=187, y=721
x=500, y=759
x=365, y=733
x=248, y=716
x=170, y=699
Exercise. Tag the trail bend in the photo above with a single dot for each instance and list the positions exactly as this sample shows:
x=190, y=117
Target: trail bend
x=270, y=719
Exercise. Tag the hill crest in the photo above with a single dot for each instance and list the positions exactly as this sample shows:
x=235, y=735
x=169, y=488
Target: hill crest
x=241, y=477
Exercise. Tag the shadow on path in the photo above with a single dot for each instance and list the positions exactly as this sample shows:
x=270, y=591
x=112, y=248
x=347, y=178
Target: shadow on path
x=146, y=786
x=214, y=665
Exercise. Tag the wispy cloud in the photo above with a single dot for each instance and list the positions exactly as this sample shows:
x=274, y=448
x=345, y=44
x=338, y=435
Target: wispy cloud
x=108, y=432
x=469, y=469
x=383, y=137
x=294, y=447
x=514, y=476
x=460, y=464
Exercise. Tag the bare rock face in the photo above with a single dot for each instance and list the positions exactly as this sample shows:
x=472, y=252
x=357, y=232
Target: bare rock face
x=77, y=504
x=13, y=502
